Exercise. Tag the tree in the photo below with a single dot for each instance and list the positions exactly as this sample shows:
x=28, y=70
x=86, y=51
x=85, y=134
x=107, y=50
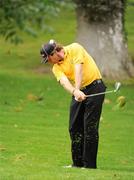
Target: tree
x=101, y=30
x=24, y=15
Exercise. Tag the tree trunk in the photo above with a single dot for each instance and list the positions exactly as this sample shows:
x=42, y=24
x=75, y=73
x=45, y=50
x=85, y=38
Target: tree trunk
x=101, y=31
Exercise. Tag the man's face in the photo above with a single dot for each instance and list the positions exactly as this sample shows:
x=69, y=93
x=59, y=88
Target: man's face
x=56, y=57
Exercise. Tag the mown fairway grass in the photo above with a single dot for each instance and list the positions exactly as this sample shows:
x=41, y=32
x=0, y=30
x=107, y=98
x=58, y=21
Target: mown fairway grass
x=34, y=139
x=34, y=132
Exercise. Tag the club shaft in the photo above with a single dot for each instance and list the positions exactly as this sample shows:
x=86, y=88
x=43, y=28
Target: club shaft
x=97, y=94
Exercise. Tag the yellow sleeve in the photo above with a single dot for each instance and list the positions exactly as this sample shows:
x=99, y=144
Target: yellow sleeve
x=57, y=72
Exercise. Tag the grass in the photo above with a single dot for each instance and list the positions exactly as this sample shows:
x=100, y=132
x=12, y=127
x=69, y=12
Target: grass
x=35, y=142
x=129, y=25
x=34, y=139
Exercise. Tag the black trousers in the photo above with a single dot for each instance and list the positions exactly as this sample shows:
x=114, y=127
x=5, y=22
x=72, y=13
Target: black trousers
x=84, y=126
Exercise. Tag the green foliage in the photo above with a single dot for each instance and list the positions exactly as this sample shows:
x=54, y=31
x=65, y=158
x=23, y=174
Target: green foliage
x=24, y=15
x=100, y=10
x=26, y=57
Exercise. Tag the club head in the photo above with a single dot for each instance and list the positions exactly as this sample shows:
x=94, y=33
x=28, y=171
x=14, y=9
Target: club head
x=117, y=86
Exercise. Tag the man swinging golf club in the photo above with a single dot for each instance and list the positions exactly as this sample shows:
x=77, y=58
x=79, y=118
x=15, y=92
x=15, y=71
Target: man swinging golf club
x=77, y=72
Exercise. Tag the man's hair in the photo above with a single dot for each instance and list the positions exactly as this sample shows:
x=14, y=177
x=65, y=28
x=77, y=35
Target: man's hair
x=58, y=47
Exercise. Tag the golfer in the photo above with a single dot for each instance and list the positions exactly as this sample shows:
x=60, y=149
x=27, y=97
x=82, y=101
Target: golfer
x=77, y=72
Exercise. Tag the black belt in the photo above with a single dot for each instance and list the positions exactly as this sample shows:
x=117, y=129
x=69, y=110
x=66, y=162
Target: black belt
x=97, y=81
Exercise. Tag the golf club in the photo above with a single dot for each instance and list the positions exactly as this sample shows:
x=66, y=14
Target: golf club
x=117, y=87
